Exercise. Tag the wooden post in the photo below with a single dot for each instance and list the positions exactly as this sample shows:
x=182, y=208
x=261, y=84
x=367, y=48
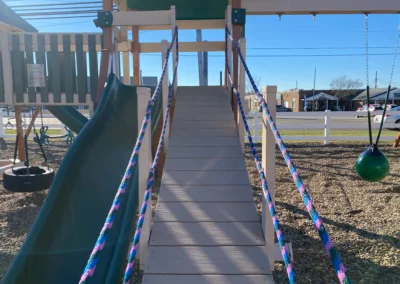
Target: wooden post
x=20, y=131
x=242, y=90
x=143, y=97
x=7, y=68
x=136, y=57
x=105, y=62
x=2, y=134
x=327, y=133
x=229, y=50
x=268, y=164
x=236, y=32
x=397, y=141
x=173, y=25
x=125, y=58
x=35, y=114
x=165, y=89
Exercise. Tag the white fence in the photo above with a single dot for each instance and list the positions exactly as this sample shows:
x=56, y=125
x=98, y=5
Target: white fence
x=330, y=123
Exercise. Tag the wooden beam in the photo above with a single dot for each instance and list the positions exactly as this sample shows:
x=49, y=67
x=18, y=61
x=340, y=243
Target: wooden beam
x=20, y=132
x=141, y=18
x=189, y=25
x=273, y=7
x=185, y=46
x=136, y=56
x=236, y=32
x=35, y=114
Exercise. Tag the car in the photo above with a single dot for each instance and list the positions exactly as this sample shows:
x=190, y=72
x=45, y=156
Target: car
x=372, y=107
x=390, y=106
x=279, y=108
x=392, y=116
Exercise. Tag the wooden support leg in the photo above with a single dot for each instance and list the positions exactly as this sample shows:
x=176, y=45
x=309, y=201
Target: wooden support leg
x=397, y=141
x=20, y=132
x=34, y=116
x=135, y=53
x=104, y=62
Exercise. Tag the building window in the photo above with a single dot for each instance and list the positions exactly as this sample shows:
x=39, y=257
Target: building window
x=294, y=104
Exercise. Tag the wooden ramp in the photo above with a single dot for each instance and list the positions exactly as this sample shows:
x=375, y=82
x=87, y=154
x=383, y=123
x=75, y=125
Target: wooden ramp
x=206, y=228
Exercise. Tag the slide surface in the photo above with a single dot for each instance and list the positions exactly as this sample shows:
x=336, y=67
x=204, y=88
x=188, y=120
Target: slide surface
x=70, y=116
x=57, y=248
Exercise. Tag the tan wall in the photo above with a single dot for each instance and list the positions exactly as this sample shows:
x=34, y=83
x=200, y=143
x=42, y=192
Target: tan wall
x=293, y=99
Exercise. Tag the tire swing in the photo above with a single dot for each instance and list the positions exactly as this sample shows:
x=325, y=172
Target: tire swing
x=27, y=178
x=372, y=165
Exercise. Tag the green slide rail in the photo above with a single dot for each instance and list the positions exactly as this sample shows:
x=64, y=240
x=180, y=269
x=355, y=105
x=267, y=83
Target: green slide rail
x=61, y=239
x=70, y=116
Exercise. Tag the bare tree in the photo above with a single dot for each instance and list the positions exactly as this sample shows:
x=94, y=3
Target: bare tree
x=344, y=86
x=249, y=88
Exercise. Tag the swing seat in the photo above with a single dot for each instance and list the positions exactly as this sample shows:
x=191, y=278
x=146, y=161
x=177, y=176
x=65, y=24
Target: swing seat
x=18, y=179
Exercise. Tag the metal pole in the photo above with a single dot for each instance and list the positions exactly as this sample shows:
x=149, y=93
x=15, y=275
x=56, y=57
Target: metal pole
x=200, y=59
x=313, y=94
x=220, y=78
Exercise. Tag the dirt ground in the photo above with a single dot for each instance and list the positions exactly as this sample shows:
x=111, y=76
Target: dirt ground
x=362, y=219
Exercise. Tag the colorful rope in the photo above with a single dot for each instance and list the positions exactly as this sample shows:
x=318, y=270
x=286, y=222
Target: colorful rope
x=267, y=195
x=317, y=221
x=135, y=243
x=101, y=240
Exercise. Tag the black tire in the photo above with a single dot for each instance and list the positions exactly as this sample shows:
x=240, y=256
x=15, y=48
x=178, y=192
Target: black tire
x=39, y=178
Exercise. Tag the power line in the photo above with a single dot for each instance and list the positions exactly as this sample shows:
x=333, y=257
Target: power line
x=56, y=18
x=316, y=48
x=287, y=55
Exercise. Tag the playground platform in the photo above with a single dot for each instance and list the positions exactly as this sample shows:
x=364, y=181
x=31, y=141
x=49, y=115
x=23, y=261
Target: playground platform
x=206, y=228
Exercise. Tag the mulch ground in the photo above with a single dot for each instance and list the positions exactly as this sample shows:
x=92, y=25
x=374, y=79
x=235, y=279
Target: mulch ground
x=362, y=219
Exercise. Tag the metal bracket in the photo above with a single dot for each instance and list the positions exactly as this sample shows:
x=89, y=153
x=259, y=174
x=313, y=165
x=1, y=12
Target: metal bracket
x=239, y=16
x=104, y=19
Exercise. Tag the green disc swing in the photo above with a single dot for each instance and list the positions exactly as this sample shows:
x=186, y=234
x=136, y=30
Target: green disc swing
x=372, y=165
x=45, y=139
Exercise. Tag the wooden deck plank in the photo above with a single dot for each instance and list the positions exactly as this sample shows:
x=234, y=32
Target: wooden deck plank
x=208, y=279
x=206, y=212
x=207, y=260
x=202, y=116
x=204, y=152
x=207, y=234
x=203, y=110
x=193, y=124
x=197, y=132
x=206, y=193
x=205, y=178
x=203, y=141
x=205, y=164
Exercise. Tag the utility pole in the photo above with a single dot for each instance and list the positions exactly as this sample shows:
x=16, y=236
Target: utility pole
x=376, y=80
x=313, y=93
x=200, y=59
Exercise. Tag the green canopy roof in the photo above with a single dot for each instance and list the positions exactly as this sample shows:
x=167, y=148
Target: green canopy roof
x=10, y=18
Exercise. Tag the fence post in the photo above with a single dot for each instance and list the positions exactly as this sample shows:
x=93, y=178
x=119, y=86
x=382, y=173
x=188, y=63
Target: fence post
x=1, y=126
x=7, y=68
x=165, y=88
x=242, y=90
x=268, y=164
x=327, y=134
x=144, y=164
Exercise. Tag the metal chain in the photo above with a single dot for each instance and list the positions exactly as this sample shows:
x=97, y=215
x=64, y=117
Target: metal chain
x=395, y=55
x=366, y=46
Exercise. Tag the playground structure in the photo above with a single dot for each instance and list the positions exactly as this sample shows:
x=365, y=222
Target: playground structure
x=70, y=220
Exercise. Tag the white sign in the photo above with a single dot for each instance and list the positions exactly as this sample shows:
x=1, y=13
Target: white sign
x=36, y=76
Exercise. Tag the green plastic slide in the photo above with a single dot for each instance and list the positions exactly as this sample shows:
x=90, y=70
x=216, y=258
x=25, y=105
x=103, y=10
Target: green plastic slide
x=70, y=116
x=57, y=248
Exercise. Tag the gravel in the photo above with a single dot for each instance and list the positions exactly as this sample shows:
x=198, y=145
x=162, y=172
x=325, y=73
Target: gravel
x=362, y=219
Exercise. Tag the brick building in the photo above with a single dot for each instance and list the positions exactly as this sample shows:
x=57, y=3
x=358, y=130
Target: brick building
x=294, y=99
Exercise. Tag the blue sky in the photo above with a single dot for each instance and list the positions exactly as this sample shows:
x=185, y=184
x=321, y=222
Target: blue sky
x=276, y=48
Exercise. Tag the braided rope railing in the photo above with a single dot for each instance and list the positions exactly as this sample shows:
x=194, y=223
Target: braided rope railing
x=267, y=194
x=136, y=238
x=101, y=240
x=316, y=219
